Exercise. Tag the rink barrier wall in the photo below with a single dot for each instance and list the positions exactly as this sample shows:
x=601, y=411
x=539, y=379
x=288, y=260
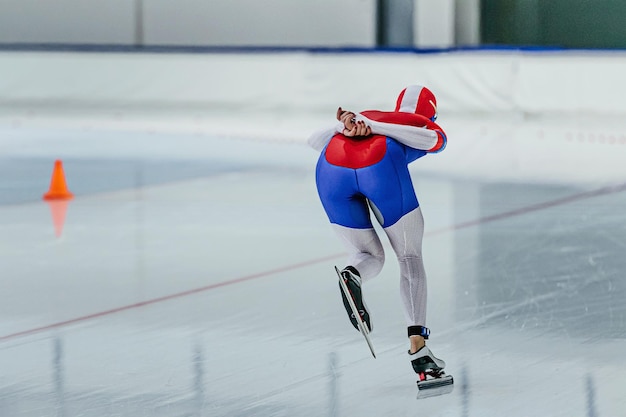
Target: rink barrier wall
x=527, y=82
x=547, y=116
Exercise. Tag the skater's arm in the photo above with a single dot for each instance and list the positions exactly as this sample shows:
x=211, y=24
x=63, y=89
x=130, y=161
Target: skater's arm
x=320, y=138
x=345, y=125
x=412, y=130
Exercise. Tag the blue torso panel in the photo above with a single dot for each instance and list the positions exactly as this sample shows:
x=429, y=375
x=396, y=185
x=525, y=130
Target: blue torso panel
x=352, y=172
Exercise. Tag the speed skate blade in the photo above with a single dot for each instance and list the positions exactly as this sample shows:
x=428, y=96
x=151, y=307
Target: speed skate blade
x=362, y=326
x=434, y=387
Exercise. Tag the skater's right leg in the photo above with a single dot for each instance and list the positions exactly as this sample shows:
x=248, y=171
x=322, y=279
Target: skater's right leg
x=365, y=250
x=365, y=261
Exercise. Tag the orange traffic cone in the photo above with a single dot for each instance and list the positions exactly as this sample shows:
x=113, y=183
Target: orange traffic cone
x=58, y=188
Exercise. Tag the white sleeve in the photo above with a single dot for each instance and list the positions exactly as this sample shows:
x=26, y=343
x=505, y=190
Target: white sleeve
x=412, y=136
x=321, y=137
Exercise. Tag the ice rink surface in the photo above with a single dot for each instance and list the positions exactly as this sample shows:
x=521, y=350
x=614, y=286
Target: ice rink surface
x=193, y=276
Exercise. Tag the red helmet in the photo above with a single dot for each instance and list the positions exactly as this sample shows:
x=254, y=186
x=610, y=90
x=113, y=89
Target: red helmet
x=417, y=99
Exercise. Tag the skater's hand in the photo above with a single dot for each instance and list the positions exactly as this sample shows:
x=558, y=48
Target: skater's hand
x=346, y=117
x=352, y=128
x=359, y=129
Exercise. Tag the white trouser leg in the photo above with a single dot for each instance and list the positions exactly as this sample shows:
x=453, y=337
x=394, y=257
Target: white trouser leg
x=406, y=240
x=365, y=250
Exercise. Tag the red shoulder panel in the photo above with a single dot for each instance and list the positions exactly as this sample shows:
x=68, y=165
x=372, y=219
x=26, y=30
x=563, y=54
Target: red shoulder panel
x=356, y=153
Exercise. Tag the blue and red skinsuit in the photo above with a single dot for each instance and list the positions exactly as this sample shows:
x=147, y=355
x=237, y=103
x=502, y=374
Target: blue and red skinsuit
x=351, y=171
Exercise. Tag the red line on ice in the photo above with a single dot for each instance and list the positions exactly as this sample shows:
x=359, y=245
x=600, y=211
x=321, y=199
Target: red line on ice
x=500, y=216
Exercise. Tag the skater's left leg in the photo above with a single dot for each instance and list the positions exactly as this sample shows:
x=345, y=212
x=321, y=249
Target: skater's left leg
x=406, y=239
x=417, y=342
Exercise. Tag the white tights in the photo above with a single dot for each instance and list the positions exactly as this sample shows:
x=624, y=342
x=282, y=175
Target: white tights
x=366, y=254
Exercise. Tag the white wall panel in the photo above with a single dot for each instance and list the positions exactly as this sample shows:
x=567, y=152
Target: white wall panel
x=325, y=23
x=260, y=23
x=67, y=21
x=434, y=23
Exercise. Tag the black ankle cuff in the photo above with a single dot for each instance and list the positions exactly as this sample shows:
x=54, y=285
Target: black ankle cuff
x=419, y=331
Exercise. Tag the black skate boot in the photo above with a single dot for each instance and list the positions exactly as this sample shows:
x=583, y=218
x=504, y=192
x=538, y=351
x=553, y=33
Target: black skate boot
x=352, y=278
x=429, y=368
x=423, y=360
